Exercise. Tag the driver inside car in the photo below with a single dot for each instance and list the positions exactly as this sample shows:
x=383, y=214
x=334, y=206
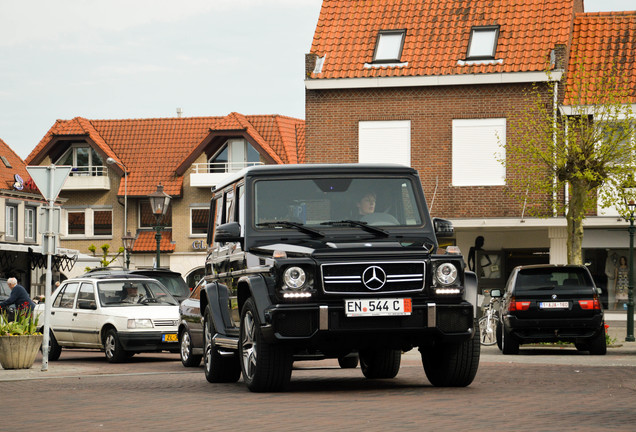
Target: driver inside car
x=132, y=295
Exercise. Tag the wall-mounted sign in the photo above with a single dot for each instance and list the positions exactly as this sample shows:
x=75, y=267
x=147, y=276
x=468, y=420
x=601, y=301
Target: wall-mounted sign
x=18, y=184
x=199, y=245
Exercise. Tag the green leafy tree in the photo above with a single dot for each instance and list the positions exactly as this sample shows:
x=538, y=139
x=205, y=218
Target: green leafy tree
x=104, y=261
x=564, y=162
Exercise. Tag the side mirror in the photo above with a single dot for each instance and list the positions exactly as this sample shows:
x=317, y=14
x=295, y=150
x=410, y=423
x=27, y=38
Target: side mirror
x=495, y=293
x=443, y=227
x=229, y=232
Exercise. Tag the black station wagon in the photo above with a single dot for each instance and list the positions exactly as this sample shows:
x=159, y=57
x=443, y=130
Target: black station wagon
x=332, y=261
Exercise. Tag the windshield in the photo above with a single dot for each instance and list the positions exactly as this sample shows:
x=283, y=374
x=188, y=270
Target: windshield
x=325, y=202
x=175, y=283
x=133, y=293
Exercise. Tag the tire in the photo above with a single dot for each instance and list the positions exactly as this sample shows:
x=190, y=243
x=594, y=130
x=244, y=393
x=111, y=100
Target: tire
x=508, y=344
x=349, y=361
x=55, y=350
x=452, y=365
x=113, y=349
x=598, y=344
x=266, y=366
x=498, y=334
x=381, y=363
x=185, y=353
x=487, y=337
x=217, y=368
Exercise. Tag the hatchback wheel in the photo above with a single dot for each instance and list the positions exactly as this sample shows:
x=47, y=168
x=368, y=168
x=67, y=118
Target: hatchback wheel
x=113, y=349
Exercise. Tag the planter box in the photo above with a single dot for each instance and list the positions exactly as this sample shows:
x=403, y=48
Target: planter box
x=18, y=352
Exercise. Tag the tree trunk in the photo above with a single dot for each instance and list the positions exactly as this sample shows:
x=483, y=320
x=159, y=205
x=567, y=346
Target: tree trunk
x=574, y=217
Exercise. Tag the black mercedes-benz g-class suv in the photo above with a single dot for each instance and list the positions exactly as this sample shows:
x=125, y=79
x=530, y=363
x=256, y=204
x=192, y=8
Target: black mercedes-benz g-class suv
x=332, y=261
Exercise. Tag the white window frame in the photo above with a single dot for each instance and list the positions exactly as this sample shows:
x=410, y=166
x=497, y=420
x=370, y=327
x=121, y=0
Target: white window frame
x=477, y=153
x=238, y=150
x=30, y=223
x=91, y=169
x=198, y=207
x=11, y=222
x=385, y=142
x=89, y=223
x=483, y=42
x=389, y=45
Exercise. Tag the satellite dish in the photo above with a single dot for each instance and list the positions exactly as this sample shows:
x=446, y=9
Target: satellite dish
x=19, y=183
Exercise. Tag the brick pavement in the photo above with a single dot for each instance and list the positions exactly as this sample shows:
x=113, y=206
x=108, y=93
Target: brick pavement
x=154, y=392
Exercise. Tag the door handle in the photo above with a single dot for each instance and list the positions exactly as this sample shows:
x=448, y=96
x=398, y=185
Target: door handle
x=52, y=312
x=74, y=313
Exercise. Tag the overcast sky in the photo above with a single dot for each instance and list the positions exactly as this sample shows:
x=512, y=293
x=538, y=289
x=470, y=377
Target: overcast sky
x=115, y=59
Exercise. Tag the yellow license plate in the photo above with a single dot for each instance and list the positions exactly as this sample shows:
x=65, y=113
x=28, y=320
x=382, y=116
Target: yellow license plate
x=170, y=337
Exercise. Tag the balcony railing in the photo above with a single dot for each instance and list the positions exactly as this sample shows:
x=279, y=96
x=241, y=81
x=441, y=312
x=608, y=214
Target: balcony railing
x=88, y=178
x=210, y=174
x=221, y=167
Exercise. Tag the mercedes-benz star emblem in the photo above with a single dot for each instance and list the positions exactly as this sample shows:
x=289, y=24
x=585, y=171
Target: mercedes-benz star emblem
x=554, y=296
x=374, y=278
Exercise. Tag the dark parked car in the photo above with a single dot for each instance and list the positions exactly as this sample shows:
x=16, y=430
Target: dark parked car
x=170, y=279
x=551, y=303
x=5, y=292
x=332, y=261
x=191, y=328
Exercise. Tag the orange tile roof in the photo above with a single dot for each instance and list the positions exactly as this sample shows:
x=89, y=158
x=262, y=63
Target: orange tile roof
x=146, y=242
x=7, y=175
x=603, y=42
x=153, y=149
x=437, y=35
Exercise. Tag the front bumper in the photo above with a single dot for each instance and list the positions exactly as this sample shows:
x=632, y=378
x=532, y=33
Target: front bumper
x=324, y=324
x=147, y=341
x=564, y=329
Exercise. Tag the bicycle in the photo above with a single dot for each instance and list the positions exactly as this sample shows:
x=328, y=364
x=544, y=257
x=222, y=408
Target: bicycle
x=488, y=324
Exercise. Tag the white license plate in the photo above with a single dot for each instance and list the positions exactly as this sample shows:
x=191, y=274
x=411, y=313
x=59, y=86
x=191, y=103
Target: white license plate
x=378, y=307
x=554, y=305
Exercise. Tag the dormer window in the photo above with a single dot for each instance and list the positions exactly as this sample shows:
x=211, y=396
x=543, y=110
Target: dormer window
x=483, y=42
x=388, y=47
x=84, y=160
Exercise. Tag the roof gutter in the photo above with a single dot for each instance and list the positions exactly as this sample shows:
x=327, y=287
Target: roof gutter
x=431, y=81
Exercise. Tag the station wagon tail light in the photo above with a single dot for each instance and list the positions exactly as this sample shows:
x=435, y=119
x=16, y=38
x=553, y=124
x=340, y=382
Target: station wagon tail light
x=139, y=323
x=593, y=304
x=519, y=305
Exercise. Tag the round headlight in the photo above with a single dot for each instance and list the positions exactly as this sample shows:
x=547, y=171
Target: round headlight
x=294, y=277
x=446, y=274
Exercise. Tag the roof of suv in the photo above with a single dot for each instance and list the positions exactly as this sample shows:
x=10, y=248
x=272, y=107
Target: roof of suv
x=317, y=169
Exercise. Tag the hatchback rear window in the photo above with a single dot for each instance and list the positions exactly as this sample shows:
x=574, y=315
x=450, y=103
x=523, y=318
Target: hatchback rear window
x=545, y=279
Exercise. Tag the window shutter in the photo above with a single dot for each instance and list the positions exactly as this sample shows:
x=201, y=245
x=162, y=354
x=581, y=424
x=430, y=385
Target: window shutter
x=476, y=152
x=384, y=142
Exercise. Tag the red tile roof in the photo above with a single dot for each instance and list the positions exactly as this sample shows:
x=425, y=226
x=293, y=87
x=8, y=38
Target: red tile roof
x=146, y=242
x=603, y=43
x=154, y=149
x=7, y=175
x=437, y=35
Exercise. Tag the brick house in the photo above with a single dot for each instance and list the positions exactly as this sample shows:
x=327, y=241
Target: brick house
x=20, y=242
x=433, y=84
x=118, y=162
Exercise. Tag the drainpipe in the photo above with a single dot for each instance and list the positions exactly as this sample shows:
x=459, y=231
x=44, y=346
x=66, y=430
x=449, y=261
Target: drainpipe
x=554, y=143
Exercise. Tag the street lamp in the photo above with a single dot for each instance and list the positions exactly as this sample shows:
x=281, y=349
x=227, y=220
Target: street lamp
x=111, y=161
x=159, y=202
x=128, y=241
x=631, y=205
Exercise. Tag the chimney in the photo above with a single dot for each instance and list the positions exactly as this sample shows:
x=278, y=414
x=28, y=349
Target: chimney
x=179, y=112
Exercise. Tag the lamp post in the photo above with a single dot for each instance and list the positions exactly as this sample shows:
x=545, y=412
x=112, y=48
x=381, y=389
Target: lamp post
x=159, y=202
x=111, y=161
x=128, y=241
x=631, y=205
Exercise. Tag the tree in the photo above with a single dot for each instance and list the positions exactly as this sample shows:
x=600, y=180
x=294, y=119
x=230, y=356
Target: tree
x=569, y=159
x=105, y=262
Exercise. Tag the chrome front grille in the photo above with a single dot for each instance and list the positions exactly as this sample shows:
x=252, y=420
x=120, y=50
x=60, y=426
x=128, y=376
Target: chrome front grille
x=164, y=323
x=373, y=277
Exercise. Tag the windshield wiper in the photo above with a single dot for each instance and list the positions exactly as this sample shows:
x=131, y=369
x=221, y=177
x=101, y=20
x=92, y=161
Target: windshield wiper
x=287, y=224
x=363, y=225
